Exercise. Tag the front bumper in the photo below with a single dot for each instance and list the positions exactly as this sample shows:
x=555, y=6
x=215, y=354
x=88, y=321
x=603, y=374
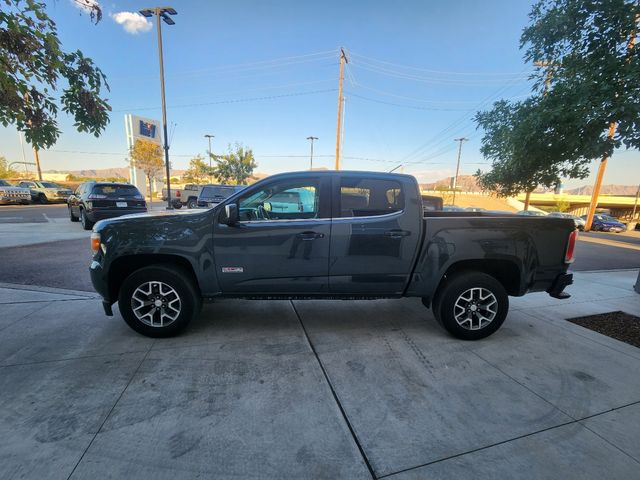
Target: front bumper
x=559, y=284
x=15, y=198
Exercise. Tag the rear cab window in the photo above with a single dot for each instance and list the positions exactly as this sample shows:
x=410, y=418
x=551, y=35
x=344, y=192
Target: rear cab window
x=369, y=197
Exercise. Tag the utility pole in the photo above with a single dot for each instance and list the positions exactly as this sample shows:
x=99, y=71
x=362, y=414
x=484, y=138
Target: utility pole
x=311, y=157
x=210, y=154
x=635, y=205
x=455, y=179
x=163, y=12
x=343, y=60
x=36, y=152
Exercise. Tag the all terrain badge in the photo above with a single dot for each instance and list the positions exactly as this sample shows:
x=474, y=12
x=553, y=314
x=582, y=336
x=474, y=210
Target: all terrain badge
x=232, y=269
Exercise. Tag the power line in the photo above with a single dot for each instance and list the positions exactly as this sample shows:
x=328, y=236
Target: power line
x=237, y=100
x=439, y=72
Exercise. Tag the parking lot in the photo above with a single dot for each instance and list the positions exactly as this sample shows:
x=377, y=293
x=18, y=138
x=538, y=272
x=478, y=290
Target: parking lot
x=308, y=389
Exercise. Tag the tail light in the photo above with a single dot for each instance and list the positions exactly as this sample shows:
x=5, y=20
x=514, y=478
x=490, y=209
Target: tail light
x=178, y=193
x=571, y=246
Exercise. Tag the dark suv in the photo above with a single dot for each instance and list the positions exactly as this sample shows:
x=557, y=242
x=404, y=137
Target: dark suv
x=93, y=201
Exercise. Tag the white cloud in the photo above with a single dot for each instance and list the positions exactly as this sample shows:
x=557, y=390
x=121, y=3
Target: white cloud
x=85, y=5
x=132, y=22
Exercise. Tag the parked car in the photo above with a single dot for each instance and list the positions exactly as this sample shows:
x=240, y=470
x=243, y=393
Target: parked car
x=475, y=209
x=431, y=203
x=606, y=223
x=364, y=236
x=186, y=196
x=46, y=192
x=211, y=195
x=93, y=201
x=453, y=208
x=11, y=194
x=531, y=213
x=576, y=219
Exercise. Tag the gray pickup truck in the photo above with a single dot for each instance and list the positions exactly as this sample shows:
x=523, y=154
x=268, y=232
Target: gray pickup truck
x=331, y=235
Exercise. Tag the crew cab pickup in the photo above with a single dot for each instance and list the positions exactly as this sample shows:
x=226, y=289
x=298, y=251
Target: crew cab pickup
x=350, y=235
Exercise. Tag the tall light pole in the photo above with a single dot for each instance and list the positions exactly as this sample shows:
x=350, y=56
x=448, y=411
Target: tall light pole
x=210, y=154
x=311, y=157
x=163, y=12
x=455, y=179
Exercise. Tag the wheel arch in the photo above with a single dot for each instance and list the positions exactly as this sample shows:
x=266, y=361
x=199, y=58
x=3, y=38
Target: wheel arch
x=507, y=272
x=125, y=265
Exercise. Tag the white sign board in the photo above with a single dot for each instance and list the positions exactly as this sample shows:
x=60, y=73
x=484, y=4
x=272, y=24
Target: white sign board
x=140, y=128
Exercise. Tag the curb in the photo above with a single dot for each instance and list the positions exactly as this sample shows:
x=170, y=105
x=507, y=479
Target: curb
x=60, y=291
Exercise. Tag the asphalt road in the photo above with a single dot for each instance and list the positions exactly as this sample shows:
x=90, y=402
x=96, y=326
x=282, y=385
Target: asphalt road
x=64, y=264
x=32, y=213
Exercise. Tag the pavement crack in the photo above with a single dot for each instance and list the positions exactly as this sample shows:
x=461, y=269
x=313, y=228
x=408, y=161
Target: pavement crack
x=354, y=436
x=133, y=375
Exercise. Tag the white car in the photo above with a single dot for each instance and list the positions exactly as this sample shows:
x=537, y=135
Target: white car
x=11, y=194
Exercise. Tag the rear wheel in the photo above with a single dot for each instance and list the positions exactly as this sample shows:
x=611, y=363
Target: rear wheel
x=471, y=305
x=158, y=301
x=72, y=217
x=177, y=204
x=84, y=220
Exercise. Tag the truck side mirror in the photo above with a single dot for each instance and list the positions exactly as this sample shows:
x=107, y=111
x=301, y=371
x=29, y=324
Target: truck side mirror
x=231, y=214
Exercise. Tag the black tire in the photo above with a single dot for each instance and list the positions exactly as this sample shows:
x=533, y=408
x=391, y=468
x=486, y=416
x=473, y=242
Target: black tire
x=84, y=220
x=192, y=203
x=42, y=199
x=465, y=285
x=177, y=204
x=189, y=300
x=72, y=217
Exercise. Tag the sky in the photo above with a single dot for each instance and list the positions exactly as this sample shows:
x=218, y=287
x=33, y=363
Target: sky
x=265, y=74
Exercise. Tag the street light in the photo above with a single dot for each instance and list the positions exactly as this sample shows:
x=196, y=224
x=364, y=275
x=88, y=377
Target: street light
x=311, y=158
x=163, y=12
x=210, y=155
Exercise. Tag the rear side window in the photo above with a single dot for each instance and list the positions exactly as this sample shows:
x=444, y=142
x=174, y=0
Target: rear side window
x=115, y=191
x=367, y=197
x=224, y=192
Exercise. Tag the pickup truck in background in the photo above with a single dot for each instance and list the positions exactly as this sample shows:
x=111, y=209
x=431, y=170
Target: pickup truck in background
x=358, y=235
x=187, y=196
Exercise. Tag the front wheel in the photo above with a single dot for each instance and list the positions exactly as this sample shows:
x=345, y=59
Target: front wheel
x=158, y=301
x=84, y=220
x=42, y=199
x=471, y=305
x=72, y=217
x=192, y=203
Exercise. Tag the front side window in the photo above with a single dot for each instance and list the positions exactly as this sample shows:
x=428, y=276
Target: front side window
x=281, y=201
x=367, y=197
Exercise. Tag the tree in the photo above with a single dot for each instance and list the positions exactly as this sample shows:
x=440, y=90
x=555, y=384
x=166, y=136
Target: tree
x=34, y=67
x=236, y=167
x=198, y=171
x=586, y=81
x=525, y=142
x=147, y=156
x=5, y=171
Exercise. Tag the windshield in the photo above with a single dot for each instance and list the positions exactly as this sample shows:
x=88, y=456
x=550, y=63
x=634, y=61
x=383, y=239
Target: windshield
x=115, y=191
x=218, y=191
x=49, y=185
x=4, y=183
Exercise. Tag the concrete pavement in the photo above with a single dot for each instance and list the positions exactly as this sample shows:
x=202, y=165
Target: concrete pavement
x=318, y=389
